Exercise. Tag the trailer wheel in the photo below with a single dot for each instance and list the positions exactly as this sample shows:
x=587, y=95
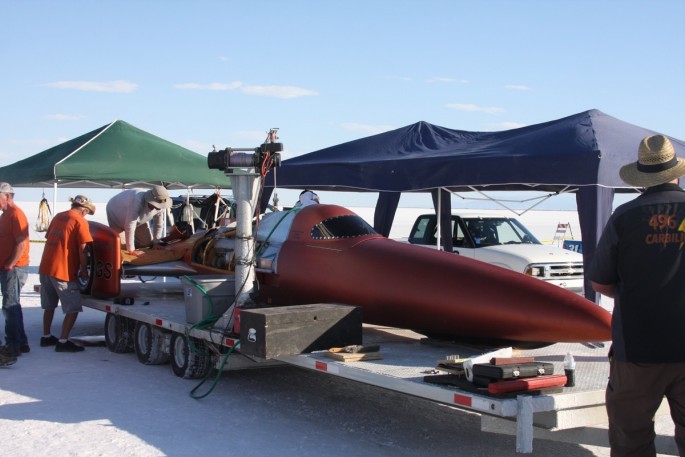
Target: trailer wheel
x=118, y=333
x=189, y=362
x=149, y=344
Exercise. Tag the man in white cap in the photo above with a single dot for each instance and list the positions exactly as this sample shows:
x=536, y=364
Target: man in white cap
x=14, y=270
x=307, y=197
x=64, y=261
x=640, y=262
x=130, y=212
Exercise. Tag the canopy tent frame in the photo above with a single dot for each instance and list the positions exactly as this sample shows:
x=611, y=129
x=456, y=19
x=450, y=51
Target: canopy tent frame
x=500, y=201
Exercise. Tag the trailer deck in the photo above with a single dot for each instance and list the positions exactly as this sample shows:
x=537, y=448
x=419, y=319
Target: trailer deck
x=409, y=365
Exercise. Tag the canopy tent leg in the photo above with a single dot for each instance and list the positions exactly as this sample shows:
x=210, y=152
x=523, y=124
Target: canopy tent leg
x=594, y=209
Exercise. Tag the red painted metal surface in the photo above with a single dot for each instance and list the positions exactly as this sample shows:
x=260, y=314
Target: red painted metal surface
x=106, y=250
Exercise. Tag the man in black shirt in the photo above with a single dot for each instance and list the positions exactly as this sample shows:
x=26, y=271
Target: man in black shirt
x=640, y=262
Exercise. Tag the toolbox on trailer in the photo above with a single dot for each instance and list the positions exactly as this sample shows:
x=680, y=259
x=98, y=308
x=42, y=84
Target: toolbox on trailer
x=207, y=296
x=290, y=330
x=512, y=371
x=526, y=384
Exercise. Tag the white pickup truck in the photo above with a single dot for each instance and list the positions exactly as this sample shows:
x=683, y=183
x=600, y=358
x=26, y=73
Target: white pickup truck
x=505, y=242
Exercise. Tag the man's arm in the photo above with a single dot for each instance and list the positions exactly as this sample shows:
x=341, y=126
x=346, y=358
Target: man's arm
x=604, y=289
x=83, y=261
x=17, y=252
x=130, y=235
x=158, y=222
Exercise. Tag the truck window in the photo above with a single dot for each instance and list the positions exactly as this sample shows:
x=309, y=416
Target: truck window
x=424, y=230
x=507, y=234
x=458, y=238
x=493, y=231
x=482, y=235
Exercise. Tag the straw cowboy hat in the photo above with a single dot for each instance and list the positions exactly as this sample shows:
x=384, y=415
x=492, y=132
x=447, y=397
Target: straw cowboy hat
x=656, y=164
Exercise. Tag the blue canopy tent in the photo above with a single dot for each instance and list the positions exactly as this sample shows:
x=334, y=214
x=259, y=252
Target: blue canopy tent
x=580, y=153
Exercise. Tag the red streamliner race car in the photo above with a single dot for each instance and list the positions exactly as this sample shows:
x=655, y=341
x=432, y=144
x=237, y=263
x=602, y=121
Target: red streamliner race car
x=328, y=254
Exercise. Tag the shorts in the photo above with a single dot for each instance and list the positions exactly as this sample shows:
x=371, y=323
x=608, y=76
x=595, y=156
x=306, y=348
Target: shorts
x=53, y=291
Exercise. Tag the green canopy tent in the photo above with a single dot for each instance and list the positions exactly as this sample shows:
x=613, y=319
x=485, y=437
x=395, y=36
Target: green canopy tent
x=115, y=156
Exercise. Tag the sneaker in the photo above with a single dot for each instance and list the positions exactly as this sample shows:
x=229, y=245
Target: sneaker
x=9, y=352
x=48, y=341
x=6, y=361
x=68, y=347
x=25, y=348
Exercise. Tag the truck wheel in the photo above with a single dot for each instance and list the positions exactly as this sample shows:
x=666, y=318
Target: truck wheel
x=86, y=285
x=189, y=361
x=149, y=344
x=118, y=333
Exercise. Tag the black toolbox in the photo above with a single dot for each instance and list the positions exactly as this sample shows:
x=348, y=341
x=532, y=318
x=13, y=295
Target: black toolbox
x=513, y=371
x=291, y=330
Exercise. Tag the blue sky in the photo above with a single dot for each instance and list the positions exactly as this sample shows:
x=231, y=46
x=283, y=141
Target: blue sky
x=223, y=73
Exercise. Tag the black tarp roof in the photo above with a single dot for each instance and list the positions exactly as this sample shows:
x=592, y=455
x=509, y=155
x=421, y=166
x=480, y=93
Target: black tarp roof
x=585, y=149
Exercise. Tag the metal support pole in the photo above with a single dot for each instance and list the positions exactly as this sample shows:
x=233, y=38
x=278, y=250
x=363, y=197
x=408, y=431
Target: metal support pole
x=245, y=191
x=245, y=186
x=524, y=424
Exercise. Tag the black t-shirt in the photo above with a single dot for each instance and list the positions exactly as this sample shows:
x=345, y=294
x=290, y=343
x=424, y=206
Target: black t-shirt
x=642, y=252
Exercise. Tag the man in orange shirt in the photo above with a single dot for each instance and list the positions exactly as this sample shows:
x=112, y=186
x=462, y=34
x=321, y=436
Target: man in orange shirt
x=14, y=269
x=64, y=260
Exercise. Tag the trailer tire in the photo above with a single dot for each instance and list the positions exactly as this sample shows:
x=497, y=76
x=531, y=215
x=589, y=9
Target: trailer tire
x=149, y=344
x=189, y=362
x=118, y=333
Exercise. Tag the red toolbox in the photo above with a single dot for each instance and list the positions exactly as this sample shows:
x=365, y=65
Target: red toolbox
x=524, y=384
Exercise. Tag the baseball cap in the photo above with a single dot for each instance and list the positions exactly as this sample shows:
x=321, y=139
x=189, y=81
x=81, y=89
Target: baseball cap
x=5, y=188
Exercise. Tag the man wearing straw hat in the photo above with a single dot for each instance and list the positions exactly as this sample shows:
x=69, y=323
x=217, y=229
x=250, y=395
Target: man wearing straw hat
x=640, y=262
x=64, y=261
